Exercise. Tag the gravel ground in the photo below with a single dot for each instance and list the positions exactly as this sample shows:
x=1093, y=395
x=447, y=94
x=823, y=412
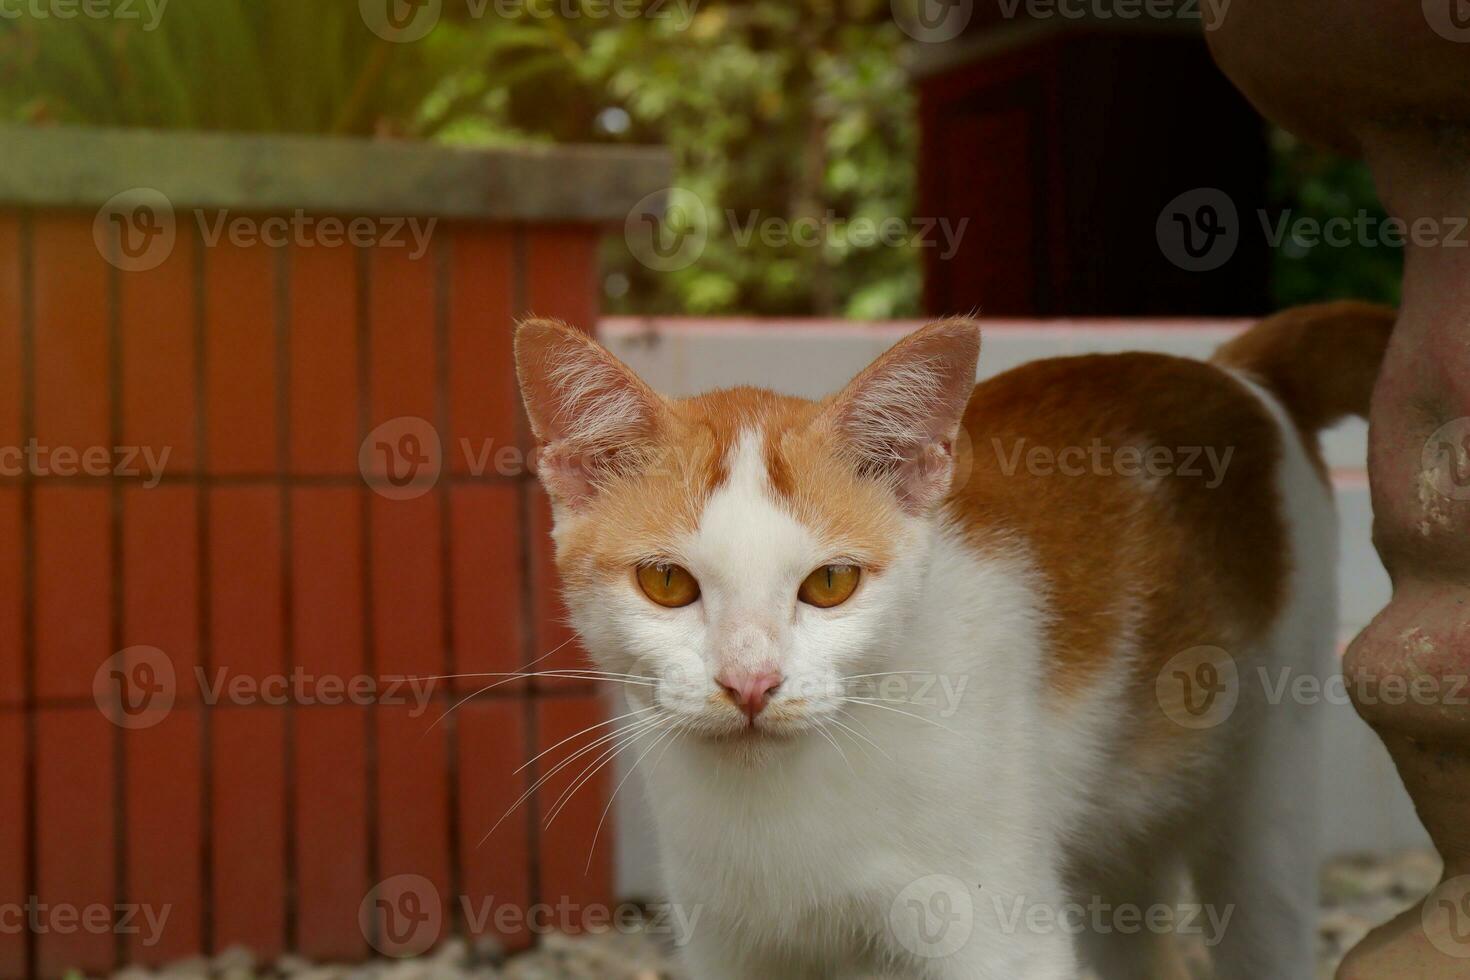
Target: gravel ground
x=1358, y=893
x=1361, y=891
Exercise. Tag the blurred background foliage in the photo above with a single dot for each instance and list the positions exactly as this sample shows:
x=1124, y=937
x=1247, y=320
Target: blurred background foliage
x=772, y=108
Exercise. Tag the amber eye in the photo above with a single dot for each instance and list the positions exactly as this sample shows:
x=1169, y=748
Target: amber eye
x=830, y=585
x=668, y=585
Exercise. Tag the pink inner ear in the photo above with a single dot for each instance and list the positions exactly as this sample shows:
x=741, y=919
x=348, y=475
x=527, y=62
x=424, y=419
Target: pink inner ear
x=563, y=474
x=924, y=480
x=901, y=414
x=590, y=412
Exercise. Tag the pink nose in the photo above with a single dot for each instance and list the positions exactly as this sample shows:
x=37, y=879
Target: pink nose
x=750, y=690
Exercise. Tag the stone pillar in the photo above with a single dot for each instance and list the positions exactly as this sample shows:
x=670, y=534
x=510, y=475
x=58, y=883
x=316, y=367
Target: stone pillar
x=1392, y=82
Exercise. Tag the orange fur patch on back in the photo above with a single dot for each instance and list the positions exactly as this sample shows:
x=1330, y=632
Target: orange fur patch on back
x=1156, y=563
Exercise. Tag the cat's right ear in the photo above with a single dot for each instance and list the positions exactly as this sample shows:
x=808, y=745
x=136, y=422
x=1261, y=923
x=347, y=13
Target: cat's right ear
x=591, y=415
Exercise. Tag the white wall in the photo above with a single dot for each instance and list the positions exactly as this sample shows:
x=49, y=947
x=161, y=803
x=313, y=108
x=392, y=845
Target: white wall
x=1366, y=807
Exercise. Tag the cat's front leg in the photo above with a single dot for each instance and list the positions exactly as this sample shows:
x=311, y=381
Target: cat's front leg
x=711, y=956
x=942, y=929
x=1050, y=959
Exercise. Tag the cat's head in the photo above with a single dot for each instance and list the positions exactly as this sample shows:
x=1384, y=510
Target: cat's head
x=741, y=553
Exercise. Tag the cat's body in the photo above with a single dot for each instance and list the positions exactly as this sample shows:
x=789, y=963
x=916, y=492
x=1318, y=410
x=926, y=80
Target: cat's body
x=1040, y=710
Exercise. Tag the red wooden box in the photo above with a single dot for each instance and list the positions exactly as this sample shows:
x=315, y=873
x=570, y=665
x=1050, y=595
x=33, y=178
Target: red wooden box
x=204, y=385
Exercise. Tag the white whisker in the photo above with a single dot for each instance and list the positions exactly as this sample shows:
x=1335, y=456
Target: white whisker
x=870, y=703
x=587, y=777
x=600, y=724
x=557, y=768
x=607, y=809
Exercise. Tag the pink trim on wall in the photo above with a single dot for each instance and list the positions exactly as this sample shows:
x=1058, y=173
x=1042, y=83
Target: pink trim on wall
x=625, y=325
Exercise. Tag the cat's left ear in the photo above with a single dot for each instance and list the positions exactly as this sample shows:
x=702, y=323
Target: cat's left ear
x=900, y=416
x=591, y=415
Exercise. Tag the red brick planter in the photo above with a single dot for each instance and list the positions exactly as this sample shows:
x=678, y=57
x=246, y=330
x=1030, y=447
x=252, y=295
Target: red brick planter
x=261, y=551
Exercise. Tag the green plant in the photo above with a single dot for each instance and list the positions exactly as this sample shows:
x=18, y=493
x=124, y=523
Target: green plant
x=1317, y=185
x=773, y=109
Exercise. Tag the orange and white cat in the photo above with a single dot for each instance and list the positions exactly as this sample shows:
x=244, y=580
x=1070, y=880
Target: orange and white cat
x=958, y=681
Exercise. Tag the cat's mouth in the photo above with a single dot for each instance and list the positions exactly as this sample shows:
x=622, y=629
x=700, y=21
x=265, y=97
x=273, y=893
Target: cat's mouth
x=782, y=721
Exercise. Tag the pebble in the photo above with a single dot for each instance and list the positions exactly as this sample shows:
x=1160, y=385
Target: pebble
x=1359, y=892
